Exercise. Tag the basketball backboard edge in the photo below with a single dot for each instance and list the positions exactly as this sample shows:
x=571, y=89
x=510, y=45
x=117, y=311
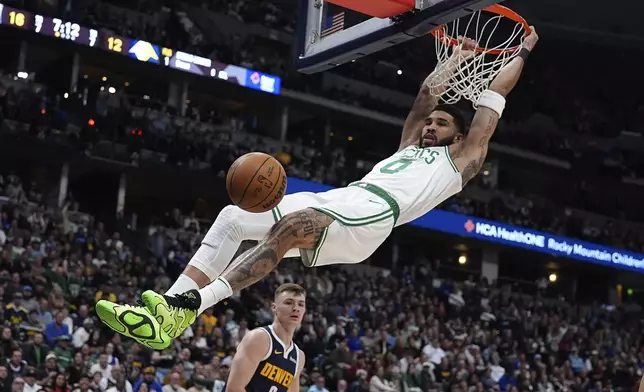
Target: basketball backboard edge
x=312, y=54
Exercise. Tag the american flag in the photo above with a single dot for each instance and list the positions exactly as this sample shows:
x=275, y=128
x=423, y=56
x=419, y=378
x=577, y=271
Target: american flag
x=333, y=24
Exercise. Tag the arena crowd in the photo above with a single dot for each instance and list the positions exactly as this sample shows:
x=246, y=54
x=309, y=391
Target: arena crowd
x=371, y=329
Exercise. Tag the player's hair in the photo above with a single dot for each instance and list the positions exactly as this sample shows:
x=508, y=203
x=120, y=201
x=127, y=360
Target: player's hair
x=459, y=118
x=290, y=288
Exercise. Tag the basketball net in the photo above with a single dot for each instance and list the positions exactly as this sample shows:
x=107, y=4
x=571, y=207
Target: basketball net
x=457, y=77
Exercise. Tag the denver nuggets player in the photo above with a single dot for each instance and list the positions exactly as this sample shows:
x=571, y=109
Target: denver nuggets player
x=267, y=359
x=437, y=156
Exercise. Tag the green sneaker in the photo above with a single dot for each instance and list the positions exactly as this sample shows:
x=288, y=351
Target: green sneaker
x=135, y=322
x=173, y=313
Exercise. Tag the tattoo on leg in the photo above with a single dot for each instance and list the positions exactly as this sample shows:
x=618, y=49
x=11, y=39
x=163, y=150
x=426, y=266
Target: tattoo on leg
x=236, y=261
x=301, y=229
x=308, y=227
x=253, y=267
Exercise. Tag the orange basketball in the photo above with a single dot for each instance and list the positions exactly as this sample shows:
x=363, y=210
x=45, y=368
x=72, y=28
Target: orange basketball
x=256, y=182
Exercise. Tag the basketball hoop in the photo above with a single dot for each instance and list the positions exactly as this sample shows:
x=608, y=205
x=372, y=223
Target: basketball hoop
x=469, y=77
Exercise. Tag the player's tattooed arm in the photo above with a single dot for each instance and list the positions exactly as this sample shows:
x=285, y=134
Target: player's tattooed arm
x=427, y=98
x=301, y=229
x=470, y=154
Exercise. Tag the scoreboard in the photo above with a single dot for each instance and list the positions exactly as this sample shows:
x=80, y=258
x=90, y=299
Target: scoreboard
x=137, y=49
x=71, y=31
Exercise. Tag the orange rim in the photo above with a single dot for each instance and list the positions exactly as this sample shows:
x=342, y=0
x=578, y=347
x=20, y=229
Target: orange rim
x=440, y=34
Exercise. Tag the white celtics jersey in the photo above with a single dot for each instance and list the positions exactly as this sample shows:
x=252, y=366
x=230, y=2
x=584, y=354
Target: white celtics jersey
x=419, y=179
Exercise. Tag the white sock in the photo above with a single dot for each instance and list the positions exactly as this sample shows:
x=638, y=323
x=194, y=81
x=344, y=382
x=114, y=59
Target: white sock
x=214, y=293
x=232, y=226
x=181, y=285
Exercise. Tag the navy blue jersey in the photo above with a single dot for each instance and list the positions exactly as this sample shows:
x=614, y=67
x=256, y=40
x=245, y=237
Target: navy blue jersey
x=277, y=371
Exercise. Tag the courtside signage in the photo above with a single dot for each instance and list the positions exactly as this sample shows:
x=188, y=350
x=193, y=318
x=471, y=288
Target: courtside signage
x=501, y=233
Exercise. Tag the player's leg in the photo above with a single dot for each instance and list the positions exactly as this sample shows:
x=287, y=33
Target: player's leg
x=298, y=230
x=344, y=226
x=217, y=249
x=232, y=226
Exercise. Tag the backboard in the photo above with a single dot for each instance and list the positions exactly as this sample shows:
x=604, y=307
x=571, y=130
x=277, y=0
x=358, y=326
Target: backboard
x=333, y=32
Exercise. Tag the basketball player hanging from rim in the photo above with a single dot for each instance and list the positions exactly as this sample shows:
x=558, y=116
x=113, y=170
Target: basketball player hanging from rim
x=437, y=156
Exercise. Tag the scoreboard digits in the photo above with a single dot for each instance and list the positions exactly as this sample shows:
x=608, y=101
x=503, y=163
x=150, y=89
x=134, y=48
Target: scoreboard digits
x=62, y=29
x=66, y=30
x=167, y=55
x=17, y=18
x=93, y=36
x=115, y=44
x=39, y=21
x=59, y=28
x=138, y=49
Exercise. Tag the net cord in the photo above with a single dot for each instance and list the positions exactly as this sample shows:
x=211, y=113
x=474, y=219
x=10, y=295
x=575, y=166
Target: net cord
x=457, y=78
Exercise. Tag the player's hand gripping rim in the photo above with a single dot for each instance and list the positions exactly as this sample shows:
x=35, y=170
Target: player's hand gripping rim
x=530, y=41
x=465, y=50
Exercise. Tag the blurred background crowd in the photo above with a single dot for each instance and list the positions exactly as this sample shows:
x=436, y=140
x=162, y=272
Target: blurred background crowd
x=412, y=319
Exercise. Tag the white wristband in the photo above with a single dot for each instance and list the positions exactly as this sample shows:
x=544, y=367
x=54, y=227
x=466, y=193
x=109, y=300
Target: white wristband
x=492, y=100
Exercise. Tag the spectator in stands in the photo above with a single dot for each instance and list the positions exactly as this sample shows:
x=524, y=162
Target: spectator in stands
x=14, y=312
x=318, y=386
x=32, y=324
x=60, y=383
x=15, y=364
x=30, y=381
x=36, y=351
x=63, y=351
x=56, y=328
x=151, y=384
x=115, y=375
x=29, y=302
x=7, y=343
x=96, y=381
x=174, y=383
x=83, y=385
x=51, y=364
x=45, y=316
x=83, y=333
x=77, y=370
x=102, y=366
x=18, y=384
x=119, y=386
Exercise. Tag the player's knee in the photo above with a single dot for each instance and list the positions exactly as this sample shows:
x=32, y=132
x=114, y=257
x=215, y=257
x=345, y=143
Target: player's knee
x=229, y=221
x=230, y=213
x=300, y=229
